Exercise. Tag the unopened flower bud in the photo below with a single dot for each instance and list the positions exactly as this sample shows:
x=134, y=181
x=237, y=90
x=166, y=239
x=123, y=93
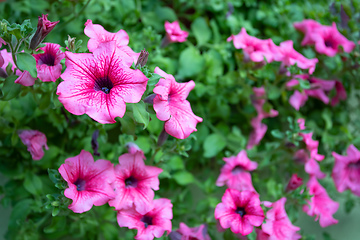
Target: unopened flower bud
x=43, y=28
x=162, y=137
x=94, y=142
x=71, y=44
x=294, y=183
x=150, y=99
x=142, y=60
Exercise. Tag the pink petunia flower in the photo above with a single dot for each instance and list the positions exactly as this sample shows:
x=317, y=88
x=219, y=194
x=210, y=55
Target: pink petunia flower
x=98, y=35
x=289, y=56
x=44, y=27
x=340, y=93
x=89, y=181
x=239, y=211
x=326, y=39
x=35, y=141
x=48, y=63
x=235, y=173
x=133, y=148
x=186, y=233
x=174, y=32
x=256, y=49
x=100, y=84
x=346, y=171
x=259, y=128
x=24, y=78
x=171, y=106
x=134, y=183
x=278, y=225
x=320, y=204
x=151, y=224
x=294, y=182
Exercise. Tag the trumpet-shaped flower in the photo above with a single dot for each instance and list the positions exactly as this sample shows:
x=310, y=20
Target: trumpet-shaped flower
x=186, y=233
x=278, y=225
x=151, y=224
x=256, y=49
x=100, y=84
x=44, y=27
x=35, y=141
x=98, y=35
x=170, y=105
x=346, y=171
x=89, y=181
x=294, y=182
x=174, y=32
x=239, y=211
x=134, y=183
x=320, y=204
x=48, y=63
x=235, y=173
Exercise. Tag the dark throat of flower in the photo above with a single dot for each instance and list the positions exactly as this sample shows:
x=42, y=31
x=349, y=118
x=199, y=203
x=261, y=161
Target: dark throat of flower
x=354, y=165
x=237, y=169
x=329, y=43
x=103, y=84
x=147, y=220
x=47, y=59
x=131, y=182
x=240, y=211
x=80, y=184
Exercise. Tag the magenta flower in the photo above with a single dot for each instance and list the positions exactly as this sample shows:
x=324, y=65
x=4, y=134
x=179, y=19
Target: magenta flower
x=98, y=35
x=48, y=63
x=277, y=223
x=171, y=106
x=35, y=141
x=256, y=49
x=89, y=181
x=239, y=211
x=186, y=233
x=346, y=171
x=100, y=84
x=289, y=56
x=320, y=204
x=340, y=93
x=327, y=39
x=44, y=27
x=294, y=182
x=235, y=173
x=151, y=224
x=24, y=78
x=259, y=128
x=174, y=33
x=133, y=148
x=134, y=183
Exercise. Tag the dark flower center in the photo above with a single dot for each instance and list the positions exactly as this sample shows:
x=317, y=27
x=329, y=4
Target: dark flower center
x=241, y=211
x=47, y=59
x=237, y=169
x=329, y=43
x=354, y=165
x=80, y=184
x=146, y=220
x=131, y=182
x=103, y=84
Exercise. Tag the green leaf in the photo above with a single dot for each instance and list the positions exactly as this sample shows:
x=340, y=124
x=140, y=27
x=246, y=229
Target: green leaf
x=19, y=213
x=191, y=62
x=27, y=62
x=165, y=13
x=277, y=134
x=33, y=184
x=213, y=144
x=140, y=113
x=183, y=178
x=154, y=79
x=201, y=31
x=176, y=163
x=10, y=89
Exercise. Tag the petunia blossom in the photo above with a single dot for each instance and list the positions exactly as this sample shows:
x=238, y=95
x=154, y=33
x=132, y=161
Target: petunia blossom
x=174, y=32
x=100, y=84
x=340, y=93
x=186, y=233
x=48, y=63
x=133, y=148
x=289, y=56
x=235, y=173
x=171, y=106
x=88, y=181
x=35, y=142
x=277, y=223
x=326, y=39
x=98, y=35
x=151, y=224
x=320, y=204
x=294, y=182
x=258, y=50
x=134, y=183
x=346, y=171
x=239, y=211
x=44, y=27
